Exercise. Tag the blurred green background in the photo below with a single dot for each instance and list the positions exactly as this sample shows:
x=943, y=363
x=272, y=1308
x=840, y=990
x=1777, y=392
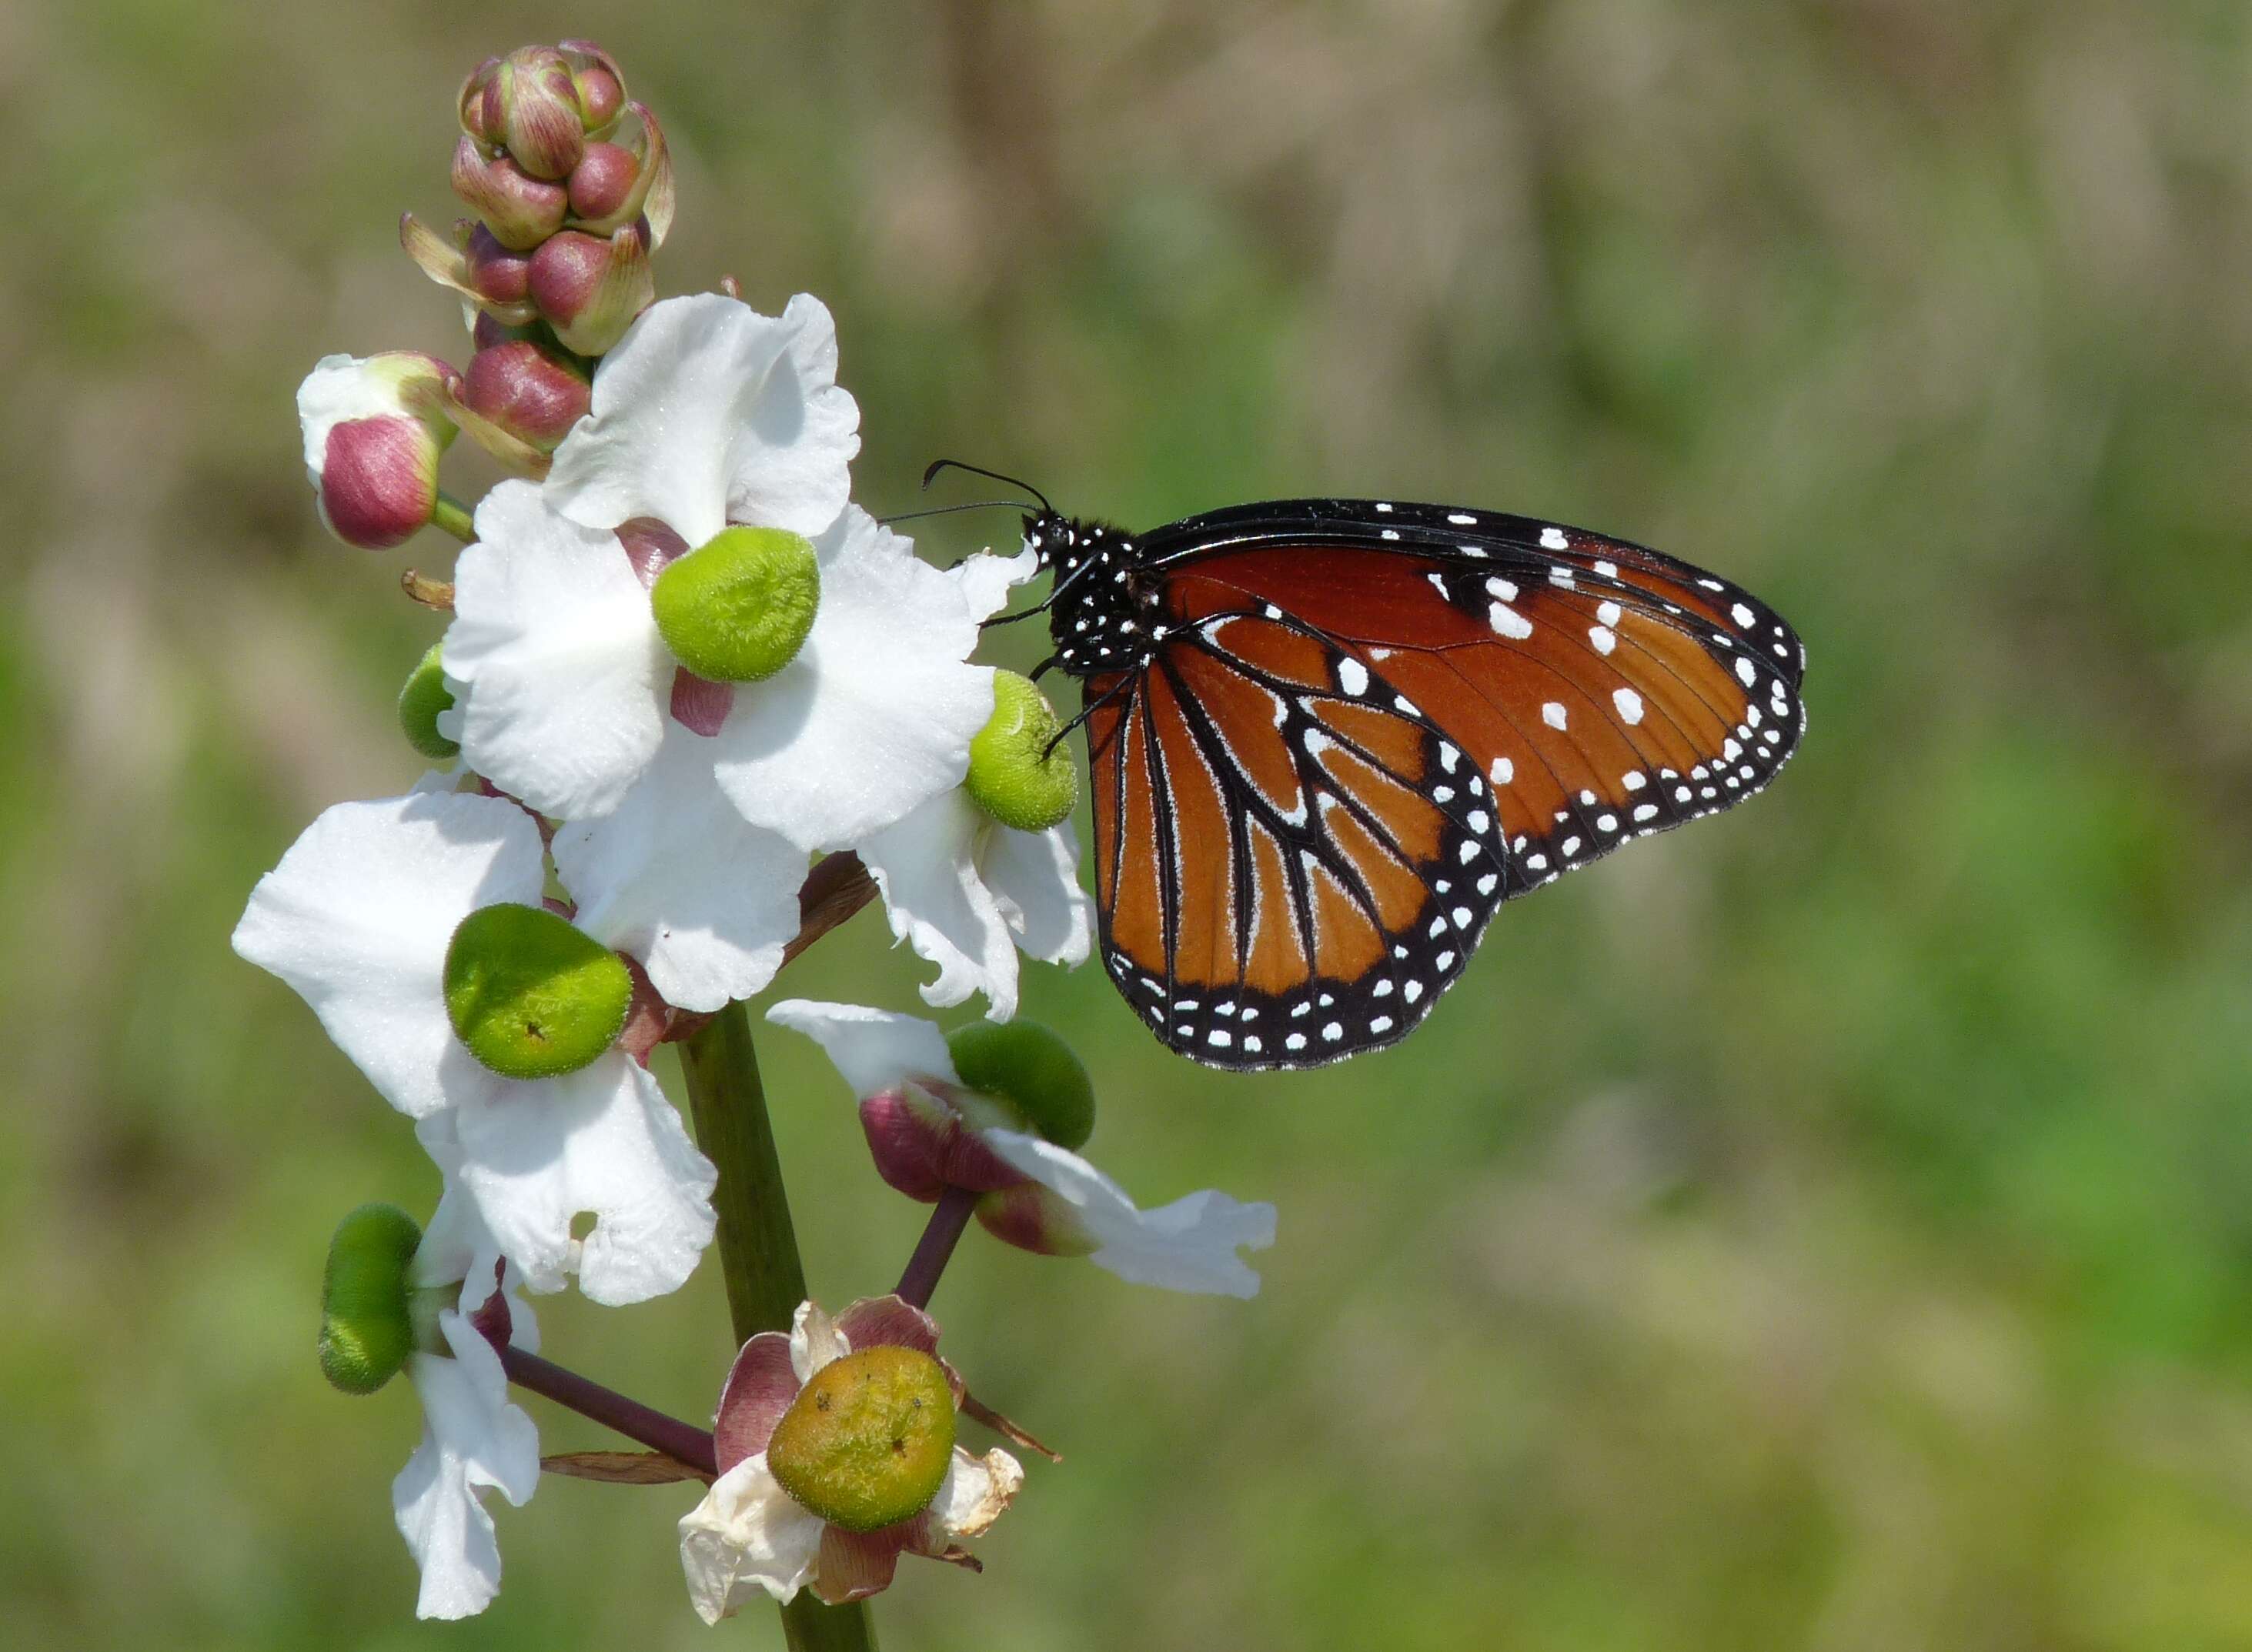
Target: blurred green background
x=1829, y=1227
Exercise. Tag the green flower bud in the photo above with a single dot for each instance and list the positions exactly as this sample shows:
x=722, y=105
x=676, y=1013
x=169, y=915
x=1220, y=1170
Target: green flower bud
x=1032, y=1072
x=867, y=1442
x=1019, y=774
x=738, y=607
x=420, y=701
x=530, y=995
x=366, y=1329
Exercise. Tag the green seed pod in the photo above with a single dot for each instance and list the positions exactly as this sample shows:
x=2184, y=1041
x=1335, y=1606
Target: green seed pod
x=366, y=1329
x=867, y=1442
x=530, y=995
x=737, y=608
x=420, y=701
x=1014, y=774
x=1030, y=1071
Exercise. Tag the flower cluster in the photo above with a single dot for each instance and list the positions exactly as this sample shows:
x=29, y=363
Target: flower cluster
x=681, y=663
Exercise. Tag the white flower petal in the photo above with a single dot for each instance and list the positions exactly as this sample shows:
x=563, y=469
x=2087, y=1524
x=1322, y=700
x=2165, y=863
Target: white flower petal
x=472, y=1437
x=1035, y=877
x=559, y=675
x=456, y=1244
x=985, y=580
x=814, y=1341
x=337, y=390
x=937, y=899
x=1188, y=1246
x=747, y=1536
x=708, y=412
x=876, y=1050
x=358, y=916
x=975, y=1492
x=875, y=714
x=676, y=876
x=602, y=1140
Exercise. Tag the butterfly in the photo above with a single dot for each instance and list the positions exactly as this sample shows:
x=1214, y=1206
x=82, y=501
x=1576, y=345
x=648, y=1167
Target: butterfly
x=1328, y=738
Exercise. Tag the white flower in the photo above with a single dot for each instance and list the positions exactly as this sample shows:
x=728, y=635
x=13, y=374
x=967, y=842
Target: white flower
x=472, y=1436
x=917, y=1113
x=750, y=1538
x=358, y=918
x=967, y=892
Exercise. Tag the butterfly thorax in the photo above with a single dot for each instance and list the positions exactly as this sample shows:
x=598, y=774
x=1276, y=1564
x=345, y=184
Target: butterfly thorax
x=1105, y=612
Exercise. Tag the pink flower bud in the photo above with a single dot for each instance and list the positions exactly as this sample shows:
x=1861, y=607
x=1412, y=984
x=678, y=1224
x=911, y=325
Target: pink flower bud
x=603, y=180
x=520, y=211
x=589, y=289
x=922, y=1147
x=479, y=103
x=374, y=430
x=449, y=266
x=497, y=274
x=602, y=87
x=532, y=393
x=1032, y=1219
x=540, y=124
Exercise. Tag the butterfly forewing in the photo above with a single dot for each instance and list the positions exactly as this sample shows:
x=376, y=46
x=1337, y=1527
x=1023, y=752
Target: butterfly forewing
x=1361, y=726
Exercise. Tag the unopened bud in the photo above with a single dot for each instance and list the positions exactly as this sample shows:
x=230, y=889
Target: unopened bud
x=532, y=996
x=738, y=607
x=448, y=263
x=540, y=123
x=374, y=429
x=1032, y=1219
x=922, y=1145
x=868, y=1440
x=620, y=178
x=520, y=210
x=602, y=87
x=368, y=1329
x=1032, y=1072
x=589, y=289
x=1019, y=773
x=421, y=703
x=533, y=393
x=499, y=275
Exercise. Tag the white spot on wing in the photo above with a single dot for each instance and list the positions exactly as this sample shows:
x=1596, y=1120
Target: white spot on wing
x=1553, y=539
x=1551, y=713
x=1629, y=703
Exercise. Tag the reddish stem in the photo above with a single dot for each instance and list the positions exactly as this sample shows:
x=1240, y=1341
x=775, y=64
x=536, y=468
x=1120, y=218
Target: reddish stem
x=613, y=1411
x=948, y=1218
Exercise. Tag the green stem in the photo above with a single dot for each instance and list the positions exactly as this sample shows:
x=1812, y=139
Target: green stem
x=758, y=1247
x=450, y=515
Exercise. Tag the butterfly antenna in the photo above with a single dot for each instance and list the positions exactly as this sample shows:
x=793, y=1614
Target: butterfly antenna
x=937, y=465
x=948, y=510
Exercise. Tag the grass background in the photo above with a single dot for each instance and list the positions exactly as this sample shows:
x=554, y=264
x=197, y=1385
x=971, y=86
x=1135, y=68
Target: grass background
x=1829, y=1227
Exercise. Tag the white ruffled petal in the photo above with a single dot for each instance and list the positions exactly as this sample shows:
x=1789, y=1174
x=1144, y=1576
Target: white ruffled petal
x=876, y=1050
x=985, y=580
x=747, y=1538
x=975, y=1492
x=937, y=899
x=677, y=878
x=708, y=412
x=875, y=714
x=1190, y=1244
x=602, y=1140
x=358, y=916
x=457, y=1244
x=557, y=669
x=472, y=1438
x=815, y=1340
x=1034, y=877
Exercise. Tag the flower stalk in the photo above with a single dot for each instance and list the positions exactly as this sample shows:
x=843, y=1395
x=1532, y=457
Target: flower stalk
x=932, y=1251
x=682, y=1441
x=758, y=1247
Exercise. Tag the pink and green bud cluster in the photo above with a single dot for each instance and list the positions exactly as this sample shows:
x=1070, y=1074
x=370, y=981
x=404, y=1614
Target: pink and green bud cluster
x=374, y=428
x=573, y=192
